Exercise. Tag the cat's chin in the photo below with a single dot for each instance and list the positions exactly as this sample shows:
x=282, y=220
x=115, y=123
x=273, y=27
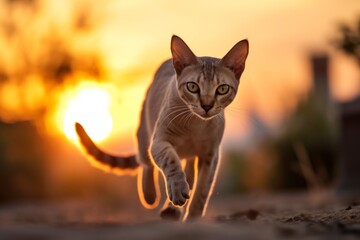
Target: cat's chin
x=205, y=116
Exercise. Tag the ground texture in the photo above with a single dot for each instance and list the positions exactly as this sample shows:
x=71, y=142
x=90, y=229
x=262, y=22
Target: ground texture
x=259, y=216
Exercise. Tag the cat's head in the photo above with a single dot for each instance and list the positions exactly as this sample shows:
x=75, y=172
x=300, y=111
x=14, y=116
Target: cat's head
x=208, y=85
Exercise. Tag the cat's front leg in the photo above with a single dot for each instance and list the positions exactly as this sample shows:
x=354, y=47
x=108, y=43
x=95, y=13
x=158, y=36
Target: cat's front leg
x=207, y=165
x=169, y=211
x=166, y=158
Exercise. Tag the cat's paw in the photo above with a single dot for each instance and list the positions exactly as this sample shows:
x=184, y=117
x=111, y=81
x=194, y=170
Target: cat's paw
x=178, y=190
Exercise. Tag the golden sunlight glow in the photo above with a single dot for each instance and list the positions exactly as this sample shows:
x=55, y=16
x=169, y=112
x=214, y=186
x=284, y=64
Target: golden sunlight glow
x=108, y=112
x=89, y=104
x=128, y=48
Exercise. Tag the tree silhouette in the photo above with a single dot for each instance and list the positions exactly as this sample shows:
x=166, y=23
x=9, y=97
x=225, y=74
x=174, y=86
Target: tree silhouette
x=349, y=41
x=34, y=43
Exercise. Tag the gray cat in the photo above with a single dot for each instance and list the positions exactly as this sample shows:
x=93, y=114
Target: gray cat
x=182, y=118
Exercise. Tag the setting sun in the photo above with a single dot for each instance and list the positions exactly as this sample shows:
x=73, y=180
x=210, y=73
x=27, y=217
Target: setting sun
x=89, y=104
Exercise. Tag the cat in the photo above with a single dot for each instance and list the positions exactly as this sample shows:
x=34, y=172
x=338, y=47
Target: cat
x=182, y=118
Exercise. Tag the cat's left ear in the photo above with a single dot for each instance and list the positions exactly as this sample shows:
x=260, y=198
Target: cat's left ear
x=182, y=54
x=236, y=57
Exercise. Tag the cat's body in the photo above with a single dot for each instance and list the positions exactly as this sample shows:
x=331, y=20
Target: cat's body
x=182, y=118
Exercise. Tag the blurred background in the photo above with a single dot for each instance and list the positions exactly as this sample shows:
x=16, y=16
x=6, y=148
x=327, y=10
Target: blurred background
x=295, y=123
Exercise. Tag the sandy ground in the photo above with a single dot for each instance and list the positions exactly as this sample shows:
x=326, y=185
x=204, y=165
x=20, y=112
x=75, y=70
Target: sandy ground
x=257, y=216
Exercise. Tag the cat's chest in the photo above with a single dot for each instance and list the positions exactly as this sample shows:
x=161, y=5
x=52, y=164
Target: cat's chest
x=186, y=146
x=193, y=143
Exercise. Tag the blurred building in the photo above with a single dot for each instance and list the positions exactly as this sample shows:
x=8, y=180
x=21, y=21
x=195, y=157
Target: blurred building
x=22, y=162
x=349, y=181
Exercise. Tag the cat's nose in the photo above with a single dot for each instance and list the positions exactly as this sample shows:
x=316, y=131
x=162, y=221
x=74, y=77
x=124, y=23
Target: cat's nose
x=206, y=107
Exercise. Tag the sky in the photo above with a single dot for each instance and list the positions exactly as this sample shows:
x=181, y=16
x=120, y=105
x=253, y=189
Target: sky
x=132, y=39
x=282, y=35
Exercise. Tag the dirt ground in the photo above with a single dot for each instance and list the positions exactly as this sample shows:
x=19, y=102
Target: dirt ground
x=256, y=216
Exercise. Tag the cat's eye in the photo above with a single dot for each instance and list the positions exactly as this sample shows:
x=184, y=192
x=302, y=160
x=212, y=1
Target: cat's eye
x=223, y=89
x=192, y=87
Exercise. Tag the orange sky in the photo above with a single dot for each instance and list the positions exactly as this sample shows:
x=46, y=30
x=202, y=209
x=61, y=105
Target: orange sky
x=281, y=35
x=133, y=39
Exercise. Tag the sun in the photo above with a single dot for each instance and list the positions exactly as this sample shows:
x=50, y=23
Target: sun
x=89, y=104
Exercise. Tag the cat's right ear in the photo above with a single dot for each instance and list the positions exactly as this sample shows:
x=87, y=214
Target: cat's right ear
x=182, y=54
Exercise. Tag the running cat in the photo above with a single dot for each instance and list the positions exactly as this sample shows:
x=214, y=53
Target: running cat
x=182, y=118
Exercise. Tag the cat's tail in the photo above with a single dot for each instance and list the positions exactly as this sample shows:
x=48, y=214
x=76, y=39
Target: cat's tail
x=109, y=163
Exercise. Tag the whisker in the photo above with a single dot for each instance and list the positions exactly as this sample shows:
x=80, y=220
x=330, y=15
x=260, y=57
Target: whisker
x=237, y=112
x=221, y=118
x=182, y=119
x=251, y=116
x=172, y=112
x=188, y=119
x=177, y=107
x=181, y=113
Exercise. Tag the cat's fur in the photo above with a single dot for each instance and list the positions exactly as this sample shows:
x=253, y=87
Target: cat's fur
x=180, y=120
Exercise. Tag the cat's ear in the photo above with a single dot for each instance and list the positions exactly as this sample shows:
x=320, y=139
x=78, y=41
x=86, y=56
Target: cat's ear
x=236, y=57
x=182, y=54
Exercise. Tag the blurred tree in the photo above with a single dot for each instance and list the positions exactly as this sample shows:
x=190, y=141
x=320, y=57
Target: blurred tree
x=349, y=40
x=40, y=51
x=49, y=47
x=306, y=150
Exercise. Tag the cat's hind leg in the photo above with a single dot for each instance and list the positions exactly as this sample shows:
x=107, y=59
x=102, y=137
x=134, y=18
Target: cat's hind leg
x=147, y=181
x=147, y=185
